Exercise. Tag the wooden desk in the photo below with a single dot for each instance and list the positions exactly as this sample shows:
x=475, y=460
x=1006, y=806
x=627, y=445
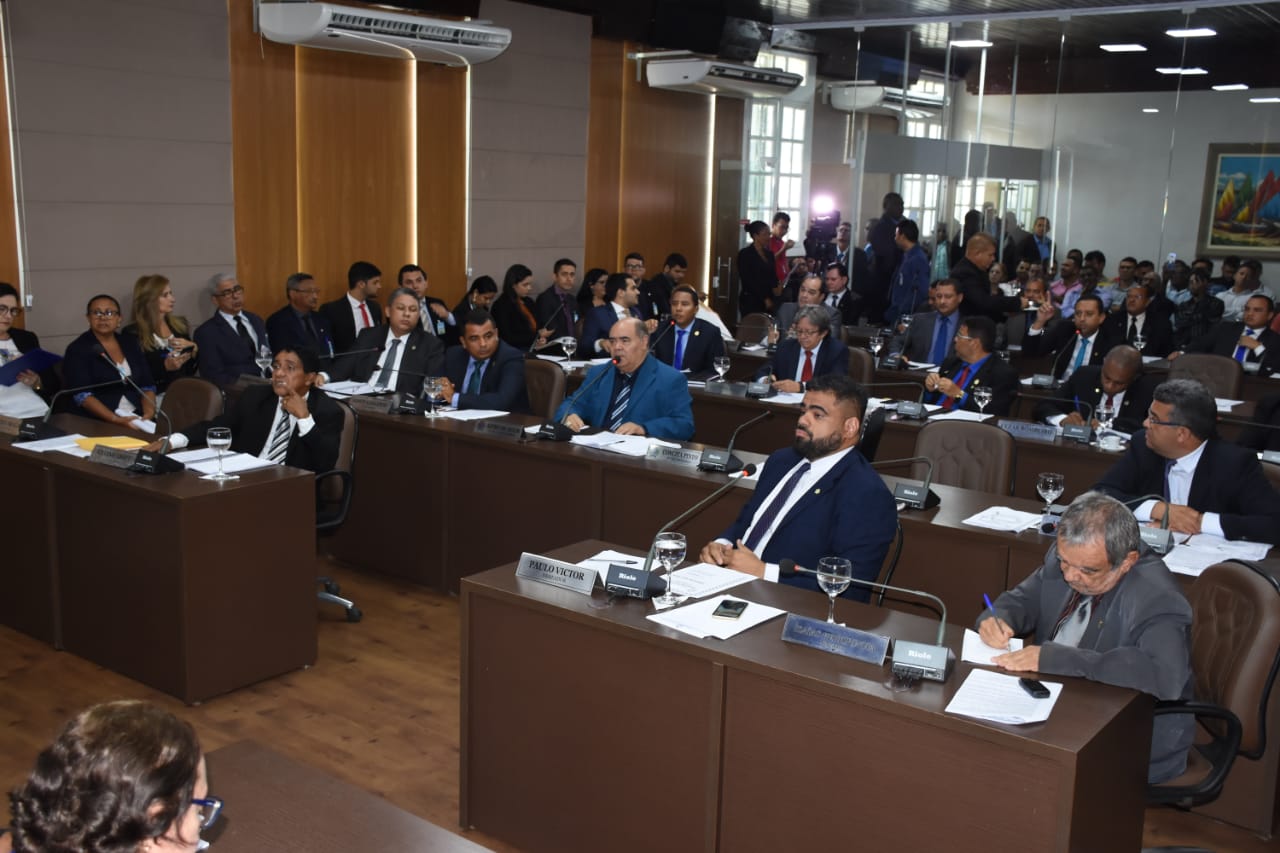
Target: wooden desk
x=192, y=587
x=709, y=745
x=273, y=803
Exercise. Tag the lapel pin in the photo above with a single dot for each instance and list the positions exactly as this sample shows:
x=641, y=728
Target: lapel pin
x=817, y=491
x=697, y=332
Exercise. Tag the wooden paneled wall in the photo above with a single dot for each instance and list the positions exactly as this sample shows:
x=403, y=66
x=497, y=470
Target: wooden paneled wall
x=9, y=263
x=340, y=157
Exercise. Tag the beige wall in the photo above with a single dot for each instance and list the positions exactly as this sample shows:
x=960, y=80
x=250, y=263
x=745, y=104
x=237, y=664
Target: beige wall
x=529, y=112
x=122, y=117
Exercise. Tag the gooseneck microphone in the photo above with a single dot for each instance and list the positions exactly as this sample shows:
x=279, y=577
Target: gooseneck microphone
x=33, y=429
x=724, y=460
x=558, y=431
x=916, y=497
x=352, y=352
x=660, y=334
x=911, y=661
x=147, y=461
x=100, y=351
x=1159, y=539
x=906, y=408
x=1053, y=370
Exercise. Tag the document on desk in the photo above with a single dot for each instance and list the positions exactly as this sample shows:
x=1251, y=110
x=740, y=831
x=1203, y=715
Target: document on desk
x=1225, y=405
x=786, y=398
x=1201, y=551
x=703, y=579
x=976, y=651
x=119, y=442
x=44, y=445
x=205, y=461
x=991, y=696
x=627, y=445
x=1004, y=518
x=600, y=562
x=346, y=389
x=472, y=414
x=921, y=365
x=696, y=618
x=961, y=415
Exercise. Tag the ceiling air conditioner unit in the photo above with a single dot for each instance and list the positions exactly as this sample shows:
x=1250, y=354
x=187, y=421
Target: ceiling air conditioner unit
x=855, y=95
x=713, y=77
x=381, y=33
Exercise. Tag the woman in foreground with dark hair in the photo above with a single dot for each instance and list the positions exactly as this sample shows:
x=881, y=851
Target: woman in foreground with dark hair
x=122, y=776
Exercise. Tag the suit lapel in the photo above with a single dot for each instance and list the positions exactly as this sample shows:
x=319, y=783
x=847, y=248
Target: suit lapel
x=826, y=484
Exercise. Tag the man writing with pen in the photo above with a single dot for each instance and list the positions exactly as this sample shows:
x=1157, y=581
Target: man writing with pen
x=1103, y=607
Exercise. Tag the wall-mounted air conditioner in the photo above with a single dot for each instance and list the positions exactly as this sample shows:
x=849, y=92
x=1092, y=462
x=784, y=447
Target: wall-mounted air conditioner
x=714, y=77
x=381, y=33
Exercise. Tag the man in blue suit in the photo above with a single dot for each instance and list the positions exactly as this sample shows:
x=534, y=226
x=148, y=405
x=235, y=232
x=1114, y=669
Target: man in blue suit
x=229, y=341
x=635, y=395
x=810, y=354
x=818, y=498
x=484, y=373
x=299, y=324
x=622, y=296
x=690, y=344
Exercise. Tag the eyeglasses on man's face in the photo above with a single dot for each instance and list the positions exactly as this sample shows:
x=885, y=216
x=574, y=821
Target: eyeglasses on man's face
x=222, y=294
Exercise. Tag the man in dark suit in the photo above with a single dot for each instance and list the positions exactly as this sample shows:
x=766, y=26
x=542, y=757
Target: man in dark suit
x=645, y=396
x=1251, y=342
x=1142, y=315
x=839, y=296
x=433, y=314
x=400, y=356
x=298, y=324
x=290, y=421
x=655, y=294
x=622, y=296
x=818, y=498
x=970, y=275
x=813, y=352
x=229, y=341
x=1211, y=486
x=557, y=306
x=690, y=344
x=1017, y=326
x=974, y=366
x=1118, y=382
x=358, y=310
x=808, y=292
x=484, y=373
x=1085, y=340
x=886, y=255
x=931, y=335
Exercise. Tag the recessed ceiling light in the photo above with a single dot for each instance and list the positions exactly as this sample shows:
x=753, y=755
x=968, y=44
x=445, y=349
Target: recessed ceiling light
x=1264, y=100
x=1150, y=110
x=1123, y=48
x=1185, y=72
x=971, y=43
x=1192, y=33
x=1230, y=87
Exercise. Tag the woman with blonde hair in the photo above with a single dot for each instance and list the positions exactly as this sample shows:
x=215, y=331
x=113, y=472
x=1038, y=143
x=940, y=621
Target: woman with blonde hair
x=163, y=335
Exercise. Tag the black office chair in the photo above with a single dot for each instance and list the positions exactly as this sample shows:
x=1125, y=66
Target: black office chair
x=872, y=430
x=889, y=566
x=1235, y=655
x=333, y=500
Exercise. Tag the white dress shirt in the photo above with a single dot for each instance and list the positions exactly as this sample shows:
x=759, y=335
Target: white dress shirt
x=358, y=316
x=1180, y=476
x=303, y=425
x=386, y=353
x=1116, y=400
x=800, y=360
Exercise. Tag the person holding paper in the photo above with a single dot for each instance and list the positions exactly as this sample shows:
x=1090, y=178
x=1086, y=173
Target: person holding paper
x=1103, y=607
x=14, y=342
x=485, y=372
x=1209, y=485
x=818, y=498
x=86, y=363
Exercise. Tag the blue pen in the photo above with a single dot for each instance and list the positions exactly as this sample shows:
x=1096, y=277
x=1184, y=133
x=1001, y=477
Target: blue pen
x=987, y=599
x=1077, y=398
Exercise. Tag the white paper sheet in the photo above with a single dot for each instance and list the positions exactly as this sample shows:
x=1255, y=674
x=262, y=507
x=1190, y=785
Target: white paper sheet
x=751, y=347
x=346, y=389
x=232, y=463
x=696, y=618
x=703, y=579
x=140, y=424
x=472, y=414
x=600, y=562
x=921, y=365
x=786, y=398
x=1225, y=405
x=961, y=415
x=1004, y=518
x=987, y=695
x=44, y=445
x=627, y=445
x=1201, y=551
x=1151, y=359
x=556, y=358
x=976, y=651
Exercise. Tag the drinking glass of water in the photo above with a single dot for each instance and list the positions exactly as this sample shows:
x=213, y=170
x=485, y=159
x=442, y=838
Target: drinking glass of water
x=219, y=438
x=1050, y=486
x=834, y=576
x=981, y=396
x=721, y=364
x=670, y=550
x=263, y=359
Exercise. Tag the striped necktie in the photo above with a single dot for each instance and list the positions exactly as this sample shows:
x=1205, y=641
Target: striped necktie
x=775, y=506
x=279, y=446
x=620, y=403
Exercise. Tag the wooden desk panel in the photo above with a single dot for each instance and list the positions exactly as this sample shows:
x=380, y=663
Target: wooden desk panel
x=29, y=573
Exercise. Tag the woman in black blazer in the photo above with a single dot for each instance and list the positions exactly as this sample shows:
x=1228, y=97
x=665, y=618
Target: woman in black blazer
x=513, y=311
x=84, y=364
x=757, y=279
x=15, y=342
x=163, y=335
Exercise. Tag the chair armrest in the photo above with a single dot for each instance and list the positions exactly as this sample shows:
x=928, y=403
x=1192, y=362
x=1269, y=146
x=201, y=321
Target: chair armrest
x=1220, y=752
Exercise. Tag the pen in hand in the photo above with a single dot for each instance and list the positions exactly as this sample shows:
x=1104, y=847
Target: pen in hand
x=987, y=600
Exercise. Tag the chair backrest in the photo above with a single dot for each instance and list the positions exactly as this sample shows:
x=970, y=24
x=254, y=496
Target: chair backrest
x=967, y=454
x=1221, y=375
x=889, y=566
x=546, y=383
x=1235, y=644
x=335, y=487
x=753, y=327
x=862, y=367
x=189, y=401
x=1273, y=474
x=872, y=429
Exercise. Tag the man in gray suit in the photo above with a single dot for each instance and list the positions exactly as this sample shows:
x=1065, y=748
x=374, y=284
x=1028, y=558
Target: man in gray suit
x=810, y=293
x=932, y=333
x=1103, y=607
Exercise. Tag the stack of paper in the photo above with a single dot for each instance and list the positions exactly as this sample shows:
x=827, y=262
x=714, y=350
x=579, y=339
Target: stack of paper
x=976, y=651
x=347, y=389
x=1203, y=550
x=44, y=445
x=696, y=618
x=786, y=398
x=205, y=461
x=703, y=579
x=471, y=414
x=118, y=442
x=1004, y=518
x=627, y=445
x=991, y=696
x=1225, y=405
x=921, y=365
x=960, y=415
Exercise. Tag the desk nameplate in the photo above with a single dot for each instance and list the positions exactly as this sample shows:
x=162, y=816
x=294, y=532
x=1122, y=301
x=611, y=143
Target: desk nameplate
x=500, y=429
x=1029, y=431
x=681, y=456
x=556, y=573
x=835, y=639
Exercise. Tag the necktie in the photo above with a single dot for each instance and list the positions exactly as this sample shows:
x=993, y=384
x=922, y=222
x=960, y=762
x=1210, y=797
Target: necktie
x=1133, y=328
x=364, y=316
x=311, y=328
x=775, y=506
x=678, y=361
x=279, y=447
x=1080, y=354
x=1111, y=404
x=942, y=341
x=1242, y=352
x=1071, y=626
x=477, y=375
x=428, y=319
x=948, y=402
x=619, y=407
x=243, y=331
x=1168, y=469
x=384, y=376
x=807, y=373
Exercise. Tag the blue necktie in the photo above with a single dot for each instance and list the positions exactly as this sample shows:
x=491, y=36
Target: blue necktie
x=1241, y=352
x=477, y=376
x=1084, y=347
x=940, y=343
x=678, y=361
x=775, y=506
x=619, y=407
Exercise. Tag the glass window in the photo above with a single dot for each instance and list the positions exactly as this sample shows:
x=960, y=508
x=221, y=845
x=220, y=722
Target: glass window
x=777, y=145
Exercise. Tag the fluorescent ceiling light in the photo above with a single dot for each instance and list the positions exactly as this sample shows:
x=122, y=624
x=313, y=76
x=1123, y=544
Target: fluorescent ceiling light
x=1264, y=100
x=1230, y=87
x=1193, y=33
x=1185, y=72
x=1150, y=110
x=1123, y=48
x=971, y=43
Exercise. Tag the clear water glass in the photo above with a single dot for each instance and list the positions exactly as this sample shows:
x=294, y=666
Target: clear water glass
x=721, y=364
x=219, y=438
x=670, y=549
x=263, y=360
x=1050, y=486
x=834, y=576
x=982, y=396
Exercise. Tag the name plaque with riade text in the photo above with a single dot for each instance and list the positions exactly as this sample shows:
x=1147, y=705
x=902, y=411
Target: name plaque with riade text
x=564, y=575
x=836, y=639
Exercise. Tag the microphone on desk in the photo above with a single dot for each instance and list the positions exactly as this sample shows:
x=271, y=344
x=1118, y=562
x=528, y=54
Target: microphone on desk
x=146, y=462
x=1040, y=380
x=34, y=429
x=643, y=583
x=1158, y=539
x=724, y=460
x=911, y=661
x=906, y=409
x=1072, y=431
x=555, y=431
x=910, y=494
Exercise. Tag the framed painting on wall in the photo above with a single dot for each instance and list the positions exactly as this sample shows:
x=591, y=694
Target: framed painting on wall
x=1240, y=211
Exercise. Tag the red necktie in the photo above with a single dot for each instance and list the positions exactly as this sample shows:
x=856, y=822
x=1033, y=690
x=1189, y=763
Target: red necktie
x=807, y=373
x=948, y=402
x=1111, y=401
x=364, y=315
